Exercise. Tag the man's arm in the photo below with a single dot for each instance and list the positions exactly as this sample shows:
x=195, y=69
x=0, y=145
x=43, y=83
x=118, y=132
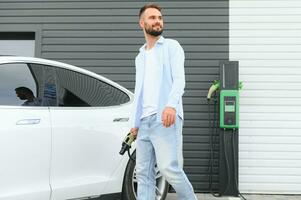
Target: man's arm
x=176, y=58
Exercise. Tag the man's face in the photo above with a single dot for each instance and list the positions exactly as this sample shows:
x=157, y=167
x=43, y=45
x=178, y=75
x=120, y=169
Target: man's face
x=152, y=22
x=21, y=95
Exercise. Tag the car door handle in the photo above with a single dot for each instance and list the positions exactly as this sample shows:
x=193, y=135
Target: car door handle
x=124, y=119
x=28, y=121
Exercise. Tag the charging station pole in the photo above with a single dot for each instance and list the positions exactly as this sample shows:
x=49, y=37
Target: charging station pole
x=229, y=123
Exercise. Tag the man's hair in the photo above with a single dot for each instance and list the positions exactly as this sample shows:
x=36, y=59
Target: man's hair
x=149, y=5
x=24, y=90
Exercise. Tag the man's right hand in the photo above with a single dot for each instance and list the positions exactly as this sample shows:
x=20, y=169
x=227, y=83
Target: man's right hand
x=134, y=131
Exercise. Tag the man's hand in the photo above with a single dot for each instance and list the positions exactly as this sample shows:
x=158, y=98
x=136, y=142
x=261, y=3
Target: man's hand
x=168, y=116
x=134, y=131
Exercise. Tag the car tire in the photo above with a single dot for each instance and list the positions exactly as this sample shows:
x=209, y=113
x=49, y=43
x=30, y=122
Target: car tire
x=129, y=189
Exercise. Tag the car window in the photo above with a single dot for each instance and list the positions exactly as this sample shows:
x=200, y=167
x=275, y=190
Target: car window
x=45, y=78
x=17, y=85
x=80, y=90
x=24, y=84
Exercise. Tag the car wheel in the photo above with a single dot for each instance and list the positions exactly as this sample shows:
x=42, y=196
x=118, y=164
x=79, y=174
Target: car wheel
x=129, y=191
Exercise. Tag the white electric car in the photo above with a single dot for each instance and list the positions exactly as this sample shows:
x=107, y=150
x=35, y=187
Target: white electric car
x=61, y=131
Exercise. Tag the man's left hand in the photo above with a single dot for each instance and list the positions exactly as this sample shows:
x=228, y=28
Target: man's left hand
x=168, y=116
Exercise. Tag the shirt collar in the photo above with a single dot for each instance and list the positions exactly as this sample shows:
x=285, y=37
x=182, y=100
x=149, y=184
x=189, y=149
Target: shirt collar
x=159, y=41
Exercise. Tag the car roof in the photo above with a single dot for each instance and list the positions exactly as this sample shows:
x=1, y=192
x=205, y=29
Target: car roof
x=34, y=60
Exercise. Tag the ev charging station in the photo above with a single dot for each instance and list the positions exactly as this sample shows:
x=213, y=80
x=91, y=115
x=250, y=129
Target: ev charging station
x=225, y=126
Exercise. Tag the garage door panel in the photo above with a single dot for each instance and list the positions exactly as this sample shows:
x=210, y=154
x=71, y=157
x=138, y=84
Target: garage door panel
x=266, y=85
x=268, y=116
x=268, y=163
x=270, y=171
x=267, y=101
x=266, y=140
x=268, y=188
x=259, y=153
x=273, y=132
x=272, y=179
x=266, y=46
x=270, y=124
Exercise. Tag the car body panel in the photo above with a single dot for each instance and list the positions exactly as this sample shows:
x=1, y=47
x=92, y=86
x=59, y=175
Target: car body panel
x=85, y=149
x=25, y=153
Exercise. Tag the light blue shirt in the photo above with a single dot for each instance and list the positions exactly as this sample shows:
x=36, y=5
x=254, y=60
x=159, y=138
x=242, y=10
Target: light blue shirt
x=171, y=75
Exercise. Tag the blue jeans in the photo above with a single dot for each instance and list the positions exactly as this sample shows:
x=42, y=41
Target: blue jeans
x=161, y=145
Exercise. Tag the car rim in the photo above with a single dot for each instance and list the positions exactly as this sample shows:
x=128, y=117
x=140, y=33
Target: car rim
x=160, y=184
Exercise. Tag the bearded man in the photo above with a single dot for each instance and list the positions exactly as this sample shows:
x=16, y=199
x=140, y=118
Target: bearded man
x=158, y=111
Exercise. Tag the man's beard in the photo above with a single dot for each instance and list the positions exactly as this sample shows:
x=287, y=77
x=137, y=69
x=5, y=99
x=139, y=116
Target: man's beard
x=153, y=32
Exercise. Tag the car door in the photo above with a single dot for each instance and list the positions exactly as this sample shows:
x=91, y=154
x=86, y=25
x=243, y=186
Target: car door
x=25, y=135
x=87, y=126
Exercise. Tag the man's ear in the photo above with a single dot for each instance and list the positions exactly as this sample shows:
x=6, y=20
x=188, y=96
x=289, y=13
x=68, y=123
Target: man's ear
x=141, y=23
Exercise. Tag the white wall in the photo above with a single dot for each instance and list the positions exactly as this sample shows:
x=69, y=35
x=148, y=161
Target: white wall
x=17, y=47
x=265, y=37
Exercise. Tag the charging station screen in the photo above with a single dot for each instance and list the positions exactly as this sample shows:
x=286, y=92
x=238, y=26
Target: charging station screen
x=229, y=106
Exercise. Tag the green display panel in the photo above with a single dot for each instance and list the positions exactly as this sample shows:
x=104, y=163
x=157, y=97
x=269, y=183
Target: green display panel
x=229, y=109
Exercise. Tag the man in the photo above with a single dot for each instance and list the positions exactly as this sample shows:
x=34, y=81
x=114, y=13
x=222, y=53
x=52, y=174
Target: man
x=158, y=111
x=25, y=93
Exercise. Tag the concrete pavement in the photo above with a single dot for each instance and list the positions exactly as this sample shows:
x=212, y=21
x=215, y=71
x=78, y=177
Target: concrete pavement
x=173, y=196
